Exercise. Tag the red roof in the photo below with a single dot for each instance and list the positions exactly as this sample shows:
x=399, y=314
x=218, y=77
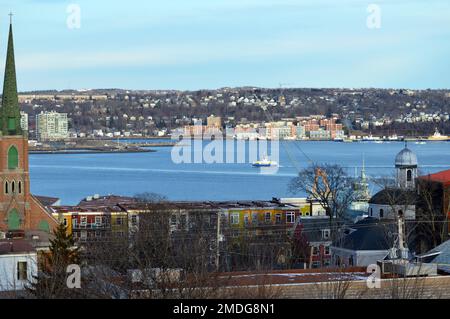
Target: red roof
x=441, y=177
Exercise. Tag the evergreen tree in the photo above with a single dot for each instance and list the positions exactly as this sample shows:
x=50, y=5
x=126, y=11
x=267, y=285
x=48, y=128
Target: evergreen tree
x=51, y=280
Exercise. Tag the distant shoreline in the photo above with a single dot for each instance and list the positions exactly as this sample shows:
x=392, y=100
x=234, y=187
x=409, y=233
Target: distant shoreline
x=78, y=151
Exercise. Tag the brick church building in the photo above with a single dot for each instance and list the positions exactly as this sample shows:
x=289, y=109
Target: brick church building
x=21, y=214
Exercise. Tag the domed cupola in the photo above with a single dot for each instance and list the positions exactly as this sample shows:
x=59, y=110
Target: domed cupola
x=406, y=158
x=406, y=167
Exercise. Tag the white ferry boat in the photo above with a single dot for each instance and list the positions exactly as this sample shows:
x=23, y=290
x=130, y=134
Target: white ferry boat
x=265, y=162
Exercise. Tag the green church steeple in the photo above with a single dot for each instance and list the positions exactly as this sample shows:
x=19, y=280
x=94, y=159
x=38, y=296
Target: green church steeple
x=10, y=112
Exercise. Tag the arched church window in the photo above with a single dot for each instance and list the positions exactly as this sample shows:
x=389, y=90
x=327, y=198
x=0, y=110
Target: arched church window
x=13, y=220
x=13, y=187
x=44, y=226
x=20, y=187
x=381, y=213
x=6, y=187
x=409, y=175
x=13, y=158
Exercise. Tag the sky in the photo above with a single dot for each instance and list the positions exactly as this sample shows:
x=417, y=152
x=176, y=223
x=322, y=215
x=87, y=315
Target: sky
x=207, y=44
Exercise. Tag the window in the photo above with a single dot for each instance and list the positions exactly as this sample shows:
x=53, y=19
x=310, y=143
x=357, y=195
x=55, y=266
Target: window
x=267, y=217
x=246, y=219
x=278, y=218
x=6, y=187
x=65, y=221
x=83, y=235
x=183, y=220
x=74, y=222
x=325, y=233
x=173, y=220
x=13, y=158
x=134, y=220
x=316, y=264
x=22, y=270
x=290, y=217
x=315, y=250
x=409, y=175
x=119, y=221
x=235, y=218
x=83, y=221
x=371, y=212
x=20, y=187
x=381, y=213
x=98, y=220
x=327, y=250
x=254, y=218
x=13, y=187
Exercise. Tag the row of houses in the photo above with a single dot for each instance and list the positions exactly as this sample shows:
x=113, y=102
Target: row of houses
x=99, y=216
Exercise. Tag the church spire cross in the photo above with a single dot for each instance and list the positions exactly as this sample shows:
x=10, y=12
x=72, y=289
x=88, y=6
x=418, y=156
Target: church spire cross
x=10, y=17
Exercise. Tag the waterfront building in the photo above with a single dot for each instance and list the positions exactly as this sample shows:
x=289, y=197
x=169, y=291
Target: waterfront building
x=279, y=130
x=199, y=131
x=51, y=126
x=214, y=121
x=319, y=134
x=299, y=132
x=244, y=132
x=21, y=214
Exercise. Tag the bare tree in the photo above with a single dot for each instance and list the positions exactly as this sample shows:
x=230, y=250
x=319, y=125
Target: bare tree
x=168, y=255
x=330, y=186
x=431, y=214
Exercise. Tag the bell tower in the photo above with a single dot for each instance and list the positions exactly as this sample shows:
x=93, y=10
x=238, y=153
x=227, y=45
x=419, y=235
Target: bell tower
x=19, y=210
x=406, y=168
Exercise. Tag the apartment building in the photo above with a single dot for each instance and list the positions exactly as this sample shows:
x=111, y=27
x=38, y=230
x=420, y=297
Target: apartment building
x=51, y=126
